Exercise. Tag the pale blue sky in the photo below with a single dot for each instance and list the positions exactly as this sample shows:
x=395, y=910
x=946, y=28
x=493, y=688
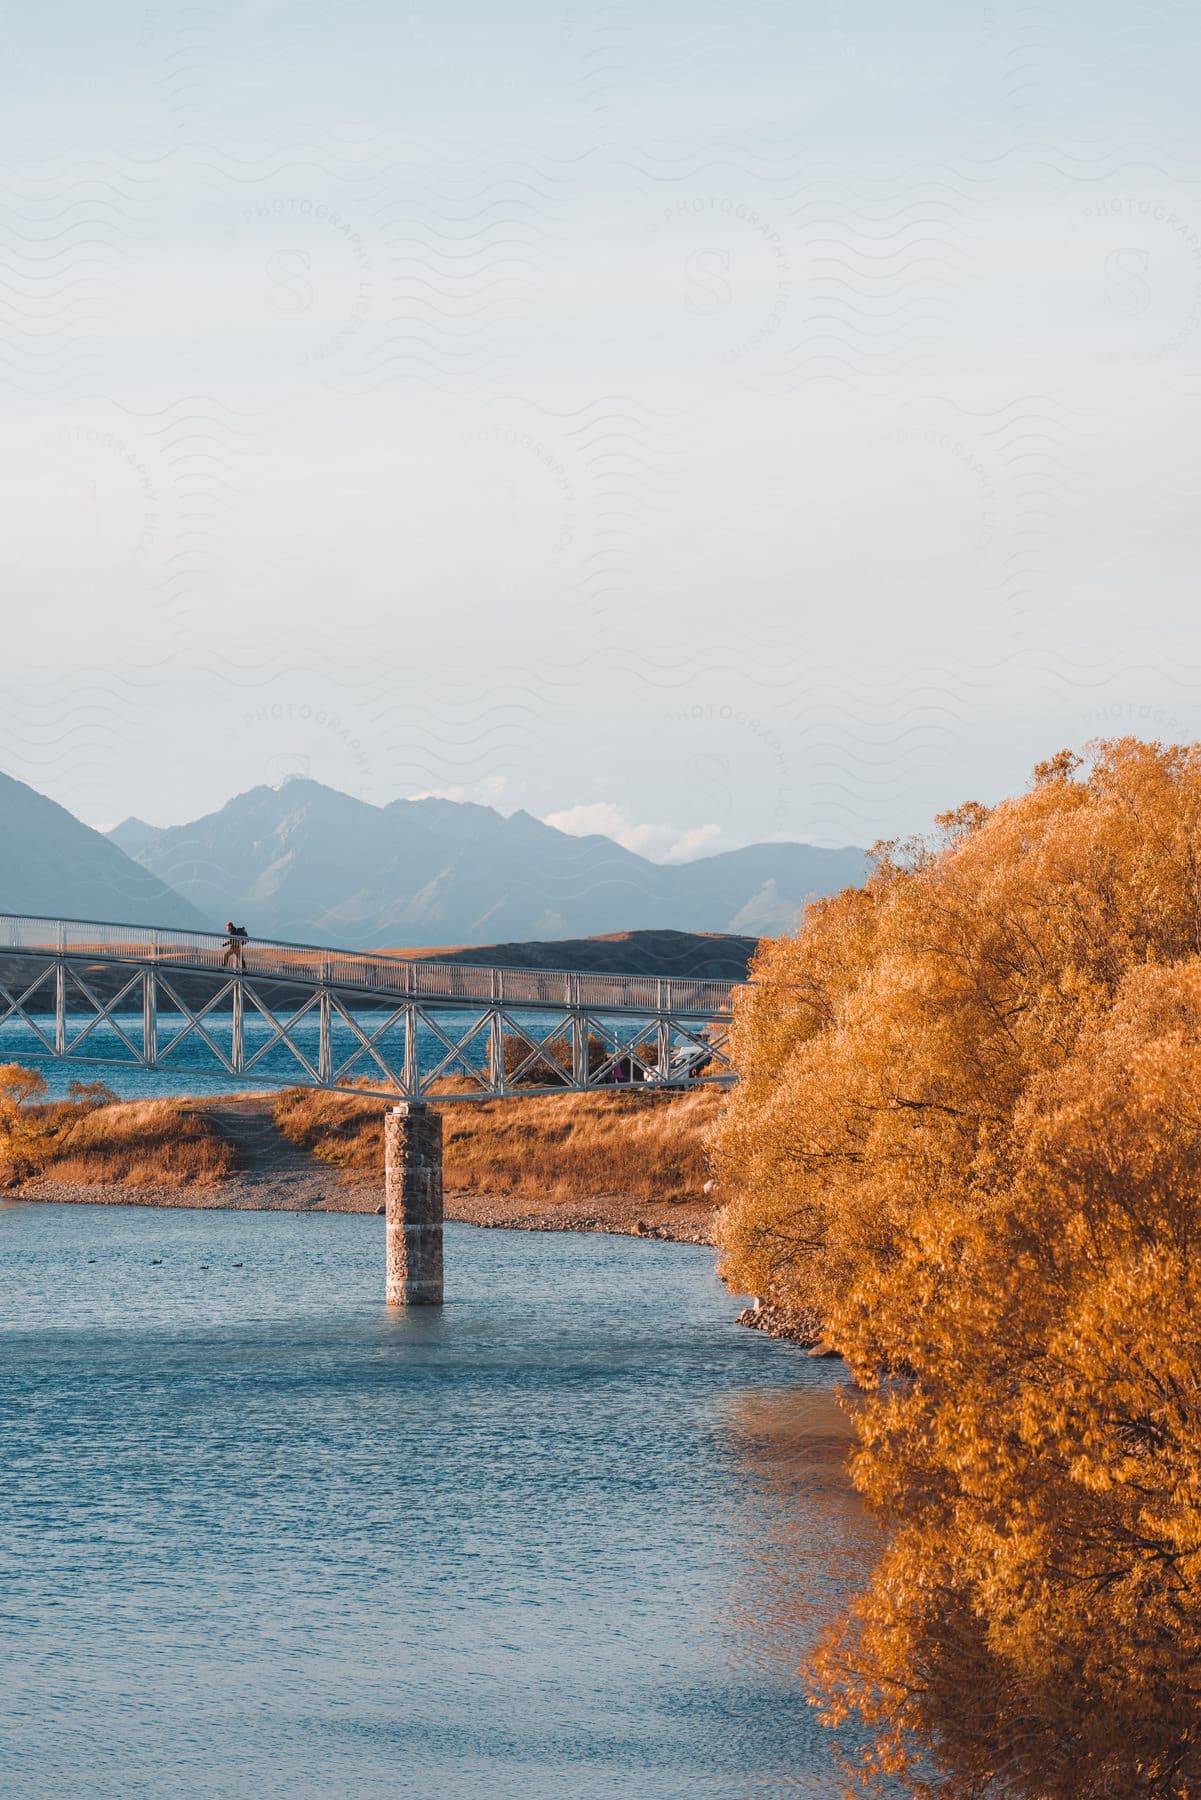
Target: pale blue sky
x=703, y=424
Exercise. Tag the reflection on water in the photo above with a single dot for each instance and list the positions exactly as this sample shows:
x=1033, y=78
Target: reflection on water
x=569, y=1537
x=808, y=1539
x=802, y=1546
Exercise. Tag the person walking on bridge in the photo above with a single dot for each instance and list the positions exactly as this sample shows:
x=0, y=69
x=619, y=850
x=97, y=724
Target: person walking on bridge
x=235, y=943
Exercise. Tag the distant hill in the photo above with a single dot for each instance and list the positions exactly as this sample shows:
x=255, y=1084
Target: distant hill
x=305, y=862
x=709, y=955
x=54, y=866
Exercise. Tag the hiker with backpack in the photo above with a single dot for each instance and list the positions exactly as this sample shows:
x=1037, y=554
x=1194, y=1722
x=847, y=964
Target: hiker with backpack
x=235, y=943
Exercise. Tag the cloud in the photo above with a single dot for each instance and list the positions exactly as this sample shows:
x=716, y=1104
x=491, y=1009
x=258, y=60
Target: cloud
x=662, y=843
x=487, y=792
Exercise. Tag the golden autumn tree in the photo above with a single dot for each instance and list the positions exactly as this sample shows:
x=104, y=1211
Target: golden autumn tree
x=19, y=1135
x=1034, y=1627
x=883, y=1050
x=969, y=1133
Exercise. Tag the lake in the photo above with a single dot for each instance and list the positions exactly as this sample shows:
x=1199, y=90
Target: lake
x=569, y=1536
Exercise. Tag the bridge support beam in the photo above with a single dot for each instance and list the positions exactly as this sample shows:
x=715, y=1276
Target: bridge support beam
x=413, y=1204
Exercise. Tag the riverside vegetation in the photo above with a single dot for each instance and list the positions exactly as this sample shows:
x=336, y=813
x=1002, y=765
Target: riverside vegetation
x=622, y=1156
x=95, y=1138
x=968, y=1131
x=554, y=1148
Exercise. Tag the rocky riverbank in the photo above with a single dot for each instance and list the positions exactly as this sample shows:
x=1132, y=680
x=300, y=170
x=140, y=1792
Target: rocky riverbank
x=318, y=1188
x=803, y=1327
x=681, y=1223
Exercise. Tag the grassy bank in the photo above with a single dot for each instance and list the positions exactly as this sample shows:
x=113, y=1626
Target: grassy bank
x=137, y=1143
x=568, y=1147
x=632, y=1160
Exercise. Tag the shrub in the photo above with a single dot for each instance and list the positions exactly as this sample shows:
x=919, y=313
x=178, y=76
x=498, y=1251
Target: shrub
x=20, y=1132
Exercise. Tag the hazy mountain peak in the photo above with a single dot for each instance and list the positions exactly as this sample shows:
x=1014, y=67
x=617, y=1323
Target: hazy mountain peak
x=132, y=834
x=57, y=867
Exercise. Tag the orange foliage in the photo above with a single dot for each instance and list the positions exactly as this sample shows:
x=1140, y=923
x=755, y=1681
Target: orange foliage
x=970, y=1131
x=18, y=1135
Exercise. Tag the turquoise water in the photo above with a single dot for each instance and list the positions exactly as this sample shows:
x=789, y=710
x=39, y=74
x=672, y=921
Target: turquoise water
x=569, y=1536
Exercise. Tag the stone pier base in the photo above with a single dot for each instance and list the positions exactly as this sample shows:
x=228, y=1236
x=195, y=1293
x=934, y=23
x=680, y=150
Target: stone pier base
x=413, y=1196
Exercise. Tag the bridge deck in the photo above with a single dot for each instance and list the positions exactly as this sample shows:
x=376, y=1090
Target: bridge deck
x=371, y=972
x=350, y=1021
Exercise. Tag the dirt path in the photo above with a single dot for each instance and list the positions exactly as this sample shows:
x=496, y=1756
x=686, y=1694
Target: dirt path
x=277, y=1175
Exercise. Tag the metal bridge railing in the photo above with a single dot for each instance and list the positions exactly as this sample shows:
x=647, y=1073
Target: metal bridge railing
x=371, y=972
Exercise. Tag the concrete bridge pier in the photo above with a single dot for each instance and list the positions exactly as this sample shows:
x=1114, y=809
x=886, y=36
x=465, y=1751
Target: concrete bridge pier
x=413, y=1204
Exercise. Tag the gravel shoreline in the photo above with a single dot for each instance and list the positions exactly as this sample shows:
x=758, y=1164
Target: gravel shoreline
x=615, y=1213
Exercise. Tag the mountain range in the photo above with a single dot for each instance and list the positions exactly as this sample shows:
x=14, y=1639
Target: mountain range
x=305, y=862
x=302, y=861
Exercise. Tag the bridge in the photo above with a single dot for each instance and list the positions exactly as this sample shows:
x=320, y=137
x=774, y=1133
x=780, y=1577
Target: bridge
x=184, y=1003
x=192, y=1005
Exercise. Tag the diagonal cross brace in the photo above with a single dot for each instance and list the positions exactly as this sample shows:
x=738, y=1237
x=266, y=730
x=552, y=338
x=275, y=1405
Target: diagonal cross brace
x=104, y=1010
x=194, y=1023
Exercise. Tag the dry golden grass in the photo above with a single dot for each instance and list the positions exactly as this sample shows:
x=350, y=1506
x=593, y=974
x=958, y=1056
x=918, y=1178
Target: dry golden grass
x=137, y=1143
x=561, y=1147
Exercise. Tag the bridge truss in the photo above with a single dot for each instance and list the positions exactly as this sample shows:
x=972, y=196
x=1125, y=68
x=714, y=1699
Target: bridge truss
x=275, y=1014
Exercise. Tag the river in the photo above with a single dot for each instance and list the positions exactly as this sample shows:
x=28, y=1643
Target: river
x=568, y=1537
